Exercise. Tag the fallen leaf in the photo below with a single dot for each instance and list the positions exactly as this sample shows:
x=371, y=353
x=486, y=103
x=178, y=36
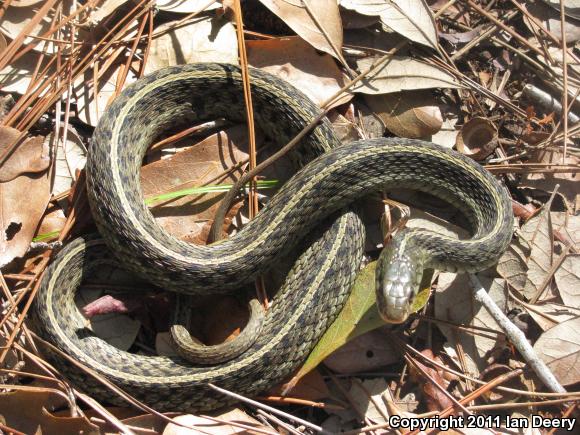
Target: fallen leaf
x=367, y=396
x=91, y=102
x=101, y=12
x=546, y=181
x=26, y=412
x=568, y=280
x=547, y=315
x=295, y=61
x=571, y=7
x=15, y=19
x=201, y=163
x=477, y=138
x=69, y=158
x=16, y=77
x=119, y=330
x=401, y=74
x=412, y=114
x=410, y=18
x=454, y=302
x=365, y=353
x=310, y=387
x=204, y=39
x=318, y=22
x=206, y=425
x=447, y=134
x=435, y=399
x=512, y=265
x=24, y=174
x=559, y=348
x=185, y=6
x=538, y=233
x=146, y=424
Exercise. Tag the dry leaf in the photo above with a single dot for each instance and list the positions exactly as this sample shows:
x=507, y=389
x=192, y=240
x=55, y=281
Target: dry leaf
x=402, y=74
x=185, y=6
x=204, y=39
x=512, y=265
x=435, y=399
x=447, y=135
x=559, y=348
x=546, y=181
x=293, y=60
x=412, y=114
x=538, y=233
x=571, y=7
x=207, y=426
x=454, y=302
x=26, y=411
x=477, y=138
x=119, y=330
x=104, y=9
x=92, y=103
x=365, y=353
x=16, y=18
x=568, y=280
x=69, y=158
x=23, y=175
x=186, y=217
x=16, y=76
x=547, y=315
x=317, y=22
x=410, y=18
x=310, y=387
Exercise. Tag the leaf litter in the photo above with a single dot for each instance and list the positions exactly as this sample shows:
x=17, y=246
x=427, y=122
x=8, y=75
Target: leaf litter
x=454, y=70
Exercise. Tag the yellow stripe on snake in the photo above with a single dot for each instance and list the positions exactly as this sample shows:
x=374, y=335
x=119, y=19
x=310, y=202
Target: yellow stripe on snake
x=309, y=207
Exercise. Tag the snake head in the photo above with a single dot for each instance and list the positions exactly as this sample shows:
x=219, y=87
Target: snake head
x=398, y=277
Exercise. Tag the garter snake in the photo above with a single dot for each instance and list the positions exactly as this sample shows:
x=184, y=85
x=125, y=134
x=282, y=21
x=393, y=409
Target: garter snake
x=314, y=289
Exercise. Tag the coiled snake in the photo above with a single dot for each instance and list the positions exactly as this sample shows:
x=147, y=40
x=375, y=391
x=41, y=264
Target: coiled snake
x=316, y=286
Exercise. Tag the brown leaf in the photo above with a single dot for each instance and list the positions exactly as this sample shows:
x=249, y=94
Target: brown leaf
x=412, y=19
x=204, y=162
x=559, y=348
x=538, y=233
x=203, y=39
x=363, y=354
x=477, y=138
x=24, y=193
x=546, y=181
x=310, y=387
x=207, y=426
x=26, y=411
x=568, y=280
x=318, y=23
x=293, y=60
x=436, y=400
x=454, y=302
x=401, y=74
x=412, y=114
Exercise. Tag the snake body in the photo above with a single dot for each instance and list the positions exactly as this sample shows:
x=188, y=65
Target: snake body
x=319, y=281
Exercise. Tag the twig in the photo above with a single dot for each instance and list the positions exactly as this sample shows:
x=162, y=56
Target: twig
x=268, y=408
x=516, y=336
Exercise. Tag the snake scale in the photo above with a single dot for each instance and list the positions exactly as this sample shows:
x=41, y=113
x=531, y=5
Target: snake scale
x=306, y=219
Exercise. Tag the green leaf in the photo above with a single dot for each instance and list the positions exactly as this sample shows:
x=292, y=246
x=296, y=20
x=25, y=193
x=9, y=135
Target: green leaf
x=359, y=315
